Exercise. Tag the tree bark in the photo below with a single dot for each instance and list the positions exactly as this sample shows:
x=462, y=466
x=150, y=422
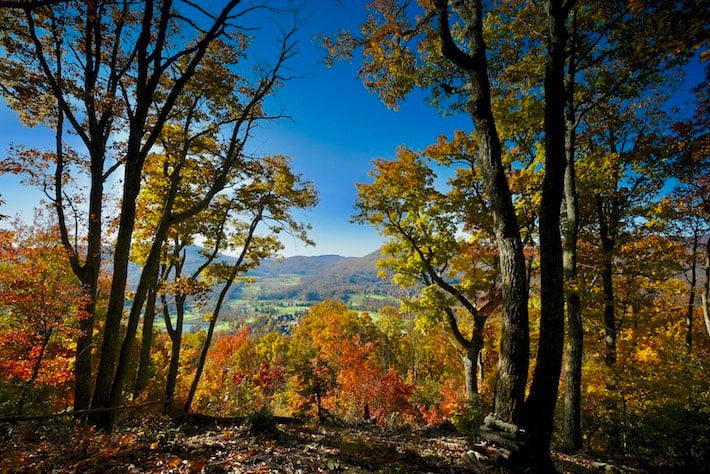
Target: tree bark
x=515, y=349
x=470, y=374
x=543, y=391
x=691, y=294
x=143, y=372
x=571, y=425
x=572, y=430
x=114, y=314
x=176, y=343
x=471, y=358
x=607, y=275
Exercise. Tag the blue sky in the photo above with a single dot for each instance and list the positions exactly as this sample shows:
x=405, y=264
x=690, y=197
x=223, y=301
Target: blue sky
x=337, y=129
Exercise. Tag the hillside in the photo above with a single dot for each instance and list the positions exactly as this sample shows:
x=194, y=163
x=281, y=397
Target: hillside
x=323, y=277
x=306, y=266
x=290, y=285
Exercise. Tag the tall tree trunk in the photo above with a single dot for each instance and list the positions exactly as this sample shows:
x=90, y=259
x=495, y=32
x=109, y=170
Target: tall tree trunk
x=88, y=272
x=706, y=288
x=143, y=372
x=208, y=341
x=88, y=275
x=147, y=280
x=175, y=333
x=571, y=426
x=218, y=307
x=607, y=276
x=114, y=313
x=691, y=294
x=543, y=391
x=572, y=431
x=513, y=361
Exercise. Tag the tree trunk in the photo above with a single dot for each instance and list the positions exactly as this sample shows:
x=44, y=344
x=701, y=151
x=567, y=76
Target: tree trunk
x=543, y=391
x=218, y=307
x=109, y=348
x=470, y=375
x=607, y=276
x=515, y=340
x=203, y=353
x=176, y=342
x=82, y=360
x=147, y=279
x=691, y=295
x=706, y=288
x=571, y=425
x=93, y=130
x=88, y=272
x=470, y=358
x=143, y=372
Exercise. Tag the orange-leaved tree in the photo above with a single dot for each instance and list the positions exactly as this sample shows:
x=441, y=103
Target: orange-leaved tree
x=337, y=369
x=40, y=309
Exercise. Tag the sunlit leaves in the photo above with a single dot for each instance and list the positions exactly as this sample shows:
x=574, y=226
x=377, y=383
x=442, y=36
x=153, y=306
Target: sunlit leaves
x=40, y=305
x=334, y=352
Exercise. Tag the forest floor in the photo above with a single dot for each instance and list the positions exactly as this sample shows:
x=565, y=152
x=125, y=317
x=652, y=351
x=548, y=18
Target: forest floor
x=291, y=449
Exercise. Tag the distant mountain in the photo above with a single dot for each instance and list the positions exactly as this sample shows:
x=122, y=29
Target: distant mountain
x=193, y=260
x=305, y=278
x=306, y=266
x=330, y=276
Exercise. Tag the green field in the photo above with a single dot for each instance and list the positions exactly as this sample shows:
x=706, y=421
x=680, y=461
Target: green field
x=267, y=299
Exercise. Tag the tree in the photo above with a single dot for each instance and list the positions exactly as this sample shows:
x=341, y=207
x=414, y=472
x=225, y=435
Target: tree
x=333, y=352
x=270, y=191
x=625, y=174
x=688, y=206
x=606, y=40
x=392, y=68
x=132, y=63
x=195, y=167
x=41, y=303
x=424, y=246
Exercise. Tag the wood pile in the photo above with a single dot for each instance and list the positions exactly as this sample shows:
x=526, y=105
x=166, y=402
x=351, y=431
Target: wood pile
x=500, y=448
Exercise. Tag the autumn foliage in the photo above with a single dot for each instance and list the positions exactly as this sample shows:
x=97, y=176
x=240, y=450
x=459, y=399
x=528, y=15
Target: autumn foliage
x=40, y=303
x=573, y=209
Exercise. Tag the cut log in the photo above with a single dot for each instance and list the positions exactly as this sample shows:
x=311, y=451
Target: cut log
x=501, y=441
x=492, y=421
x=473, y=463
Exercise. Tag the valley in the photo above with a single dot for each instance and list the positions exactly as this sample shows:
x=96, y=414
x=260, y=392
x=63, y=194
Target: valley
x=274, y=295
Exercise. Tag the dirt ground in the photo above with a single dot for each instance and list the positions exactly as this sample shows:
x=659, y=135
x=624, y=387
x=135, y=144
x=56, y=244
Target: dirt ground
x=291, y=449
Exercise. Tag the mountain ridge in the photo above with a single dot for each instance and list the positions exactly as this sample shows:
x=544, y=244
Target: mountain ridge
x=304, y=278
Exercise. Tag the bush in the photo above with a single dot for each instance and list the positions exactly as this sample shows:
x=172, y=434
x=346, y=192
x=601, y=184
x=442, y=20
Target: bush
x=470, y=418
x=671, y=436
x=262, y=422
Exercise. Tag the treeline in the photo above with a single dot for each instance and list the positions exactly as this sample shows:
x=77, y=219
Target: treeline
x=556, y=253
x=401, y=369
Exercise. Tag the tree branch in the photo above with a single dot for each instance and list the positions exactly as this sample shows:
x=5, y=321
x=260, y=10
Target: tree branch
x=448, y=47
